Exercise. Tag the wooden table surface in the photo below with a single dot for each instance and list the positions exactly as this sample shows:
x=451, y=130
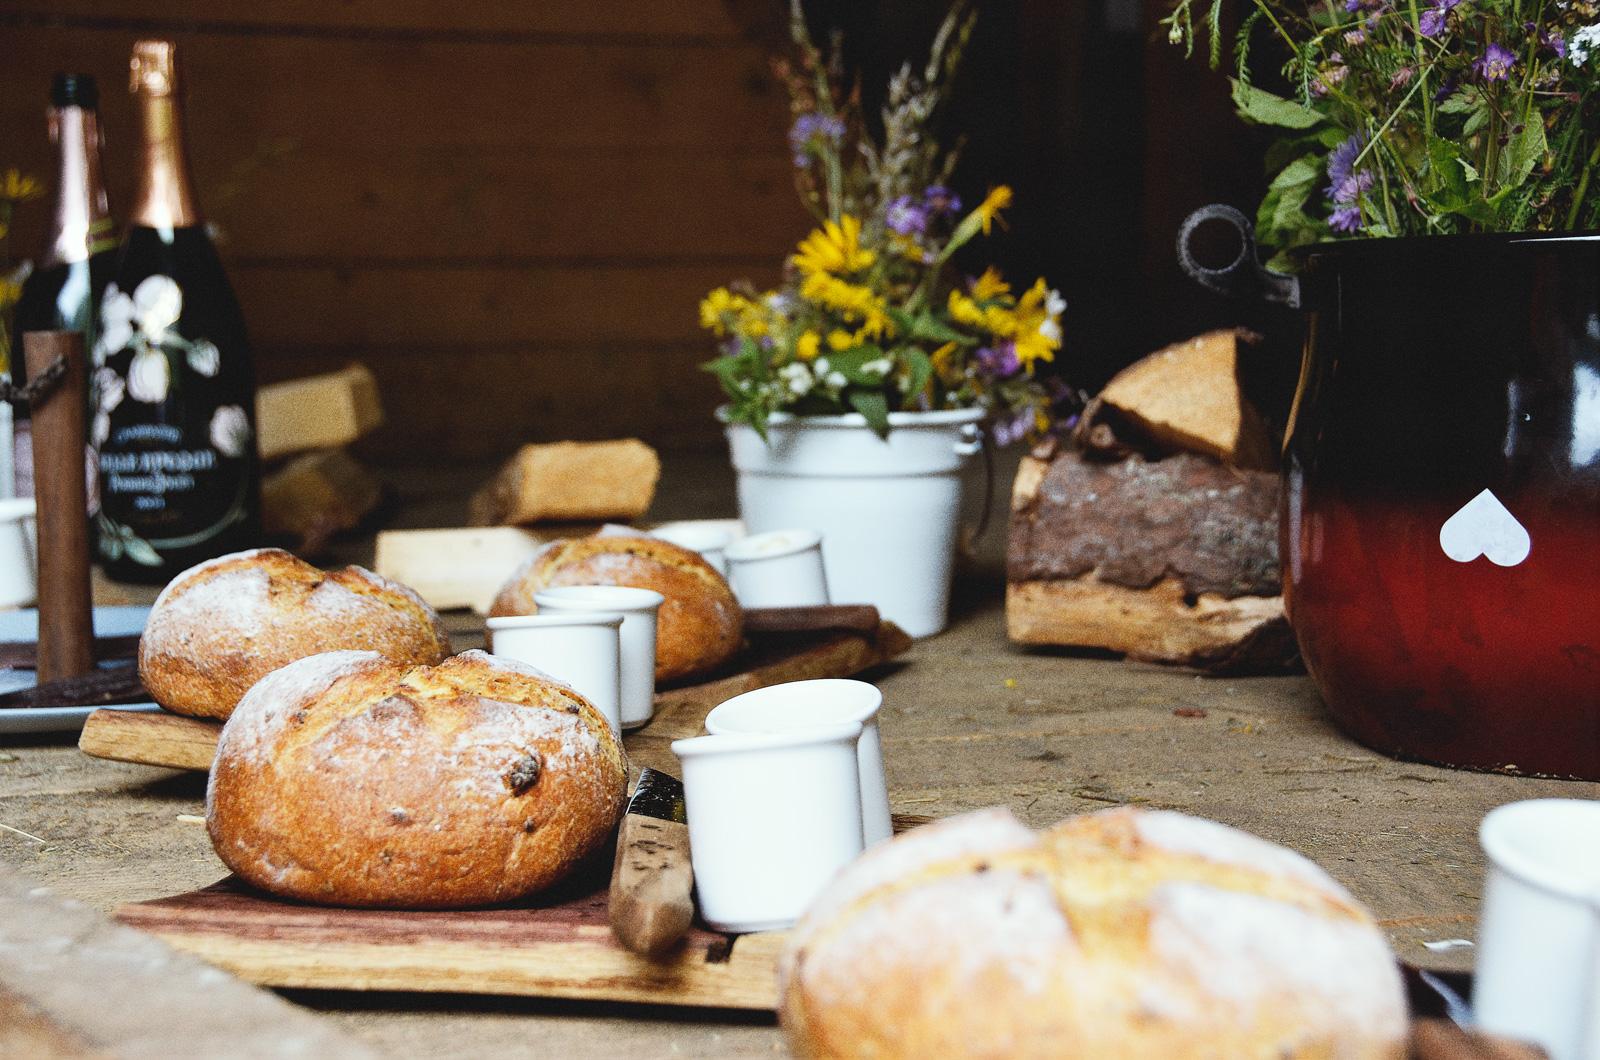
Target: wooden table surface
x=969, y=721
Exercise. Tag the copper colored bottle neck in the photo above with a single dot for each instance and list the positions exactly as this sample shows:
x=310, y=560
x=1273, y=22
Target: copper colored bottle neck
x=166, y=193
x=83, y=214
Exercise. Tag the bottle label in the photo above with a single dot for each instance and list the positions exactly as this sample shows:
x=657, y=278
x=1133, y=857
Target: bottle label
x=174, y=450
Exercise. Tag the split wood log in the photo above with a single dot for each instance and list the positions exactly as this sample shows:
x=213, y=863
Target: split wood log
x=318, y=495
x=317, y=412
x=570, y=481
x=1186, y=398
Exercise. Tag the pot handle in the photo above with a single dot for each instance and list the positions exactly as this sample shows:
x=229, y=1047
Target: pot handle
x=971, y=442
x=1245, y=275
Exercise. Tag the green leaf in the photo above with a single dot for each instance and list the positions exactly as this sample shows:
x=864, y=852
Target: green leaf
x=919, y=369
x=1463, y=102
x=927, y=326
x=1524, y=152
x=1264, y=108
x=139, y=550
x=848, y=363
x=874, y=406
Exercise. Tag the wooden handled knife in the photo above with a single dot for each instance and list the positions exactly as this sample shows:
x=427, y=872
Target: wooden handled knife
x=651, y=879
x=845, y=618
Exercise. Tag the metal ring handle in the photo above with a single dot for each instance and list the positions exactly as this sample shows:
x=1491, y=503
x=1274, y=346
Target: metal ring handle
x=1245, y=275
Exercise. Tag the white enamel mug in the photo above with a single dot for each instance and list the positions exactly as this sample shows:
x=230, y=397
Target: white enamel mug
x=19, y=585
x=801, y=705
x=1538, y=963
x=638, y=609
x=583, y=649
x=772, y=817
x=781, y=568
x=710, y=539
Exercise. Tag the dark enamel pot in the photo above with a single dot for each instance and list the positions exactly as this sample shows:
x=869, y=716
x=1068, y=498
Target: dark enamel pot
x=1440, y=529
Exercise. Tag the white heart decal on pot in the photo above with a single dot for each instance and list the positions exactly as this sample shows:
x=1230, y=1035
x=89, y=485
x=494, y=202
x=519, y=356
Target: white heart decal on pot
x=1483, y=527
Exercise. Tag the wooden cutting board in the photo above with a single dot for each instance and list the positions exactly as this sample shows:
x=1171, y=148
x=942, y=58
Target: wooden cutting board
x=162, y=739
x=562, y=950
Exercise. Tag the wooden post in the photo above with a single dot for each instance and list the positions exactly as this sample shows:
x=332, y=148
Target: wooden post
x=66, y=623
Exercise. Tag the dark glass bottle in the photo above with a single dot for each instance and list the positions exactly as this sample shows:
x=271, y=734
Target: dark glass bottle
x=76, y=262
x=173, y=390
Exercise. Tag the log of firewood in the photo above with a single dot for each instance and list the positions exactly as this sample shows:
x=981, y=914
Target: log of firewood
x=570, y=482
x=317, y=412
x=316, y=496
x=1173, y=561
x=1187, y=398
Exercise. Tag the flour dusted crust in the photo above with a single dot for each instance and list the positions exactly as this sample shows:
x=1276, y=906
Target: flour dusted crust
x=1128, y=933
x=350, y=779
x=219, y=627
x=700, y=625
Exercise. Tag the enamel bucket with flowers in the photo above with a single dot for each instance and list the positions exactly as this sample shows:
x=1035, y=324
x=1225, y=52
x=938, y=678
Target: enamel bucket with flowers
x=1436, y=206
x=861, y=387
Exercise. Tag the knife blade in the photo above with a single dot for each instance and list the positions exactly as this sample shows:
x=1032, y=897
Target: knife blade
x=651, y=879
x=97, y=689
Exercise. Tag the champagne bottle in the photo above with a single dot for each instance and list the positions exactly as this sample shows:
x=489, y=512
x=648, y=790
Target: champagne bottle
x=173, y=391
x=79, y=253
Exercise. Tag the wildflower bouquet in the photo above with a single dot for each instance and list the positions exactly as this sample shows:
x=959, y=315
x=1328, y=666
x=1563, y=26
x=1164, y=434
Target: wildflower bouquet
x=867, y=318
x=1421, y=117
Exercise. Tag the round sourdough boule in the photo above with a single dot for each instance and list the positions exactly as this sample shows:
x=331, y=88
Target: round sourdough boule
x=698, y=628
x=349, y=779
x=221, y=626
x=1131, y=934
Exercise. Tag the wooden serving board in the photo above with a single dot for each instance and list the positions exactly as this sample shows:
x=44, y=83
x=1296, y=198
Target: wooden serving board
x=559, y=950
x=162, y=739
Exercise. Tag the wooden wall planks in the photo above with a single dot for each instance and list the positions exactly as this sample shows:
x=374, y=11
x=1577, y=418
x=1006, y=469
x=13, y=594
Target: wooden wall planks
x=508, y=211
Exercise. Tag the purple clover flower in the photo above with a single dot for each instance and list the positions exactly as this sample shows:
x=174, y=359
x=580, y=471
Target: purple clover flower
x=905, y=216
x=1345, y=219
x=941, y=200
x=1495, y=63
x=1000, y=360
x=807, y=129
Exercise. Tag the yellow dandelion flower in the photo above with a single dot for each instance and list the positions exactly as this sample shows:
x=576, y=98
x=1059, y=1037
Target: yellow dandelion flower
x=807, y=346
x=716, y=307
x=989, y=286
x=839, y=339
x=1037, y=328
x=834, y=248
x=989, y=209
x=857, y=304
x=964, y=310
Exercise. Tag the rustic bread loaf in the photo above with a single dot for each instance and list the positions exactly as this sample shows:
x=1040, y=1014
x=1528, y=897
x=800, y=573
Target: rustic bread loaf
x=351, y=779
x=700, y=625
x=219, y=627
x=1127, y=934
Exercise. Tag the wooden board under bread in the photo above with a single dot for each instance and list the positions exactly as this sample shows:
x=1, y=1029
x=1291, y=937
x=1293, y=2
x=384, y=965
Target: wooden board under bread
x=561, y=948
x=177, y=742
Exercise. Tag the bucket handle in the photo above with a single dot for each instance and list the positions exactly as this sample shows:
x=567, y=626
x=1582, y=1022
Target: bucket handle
x=971, y=441
x=1245, y=276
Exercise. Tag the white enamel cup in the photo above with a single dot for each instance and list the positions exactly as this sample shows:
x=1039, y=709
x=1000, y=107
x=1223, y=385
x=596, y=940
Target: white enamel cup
x=19, y=585
x=781, y=568
x=638, y=609
x=710, y=539
x=583, y=649
x=772, y=818
x=1538, y=962
x=801, y=705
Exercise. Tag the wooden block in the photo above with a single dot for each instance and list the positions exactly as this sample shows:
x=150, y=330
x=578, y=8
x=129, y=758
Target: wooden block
x=1247, y=634
x=166, y=739
x=1187, y=398
x=453, y=568
x=316, y=496
x=574, y=481
x=318, y=412
x=72, y=983
x=1172, y=561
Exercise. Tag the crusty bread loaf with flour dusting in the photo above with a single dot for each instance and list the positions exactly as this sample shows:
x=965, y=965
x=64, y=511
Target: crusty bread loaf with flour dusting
x=221, y=626
x=1127, y=934
x=350, y=779
x=699, y=627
